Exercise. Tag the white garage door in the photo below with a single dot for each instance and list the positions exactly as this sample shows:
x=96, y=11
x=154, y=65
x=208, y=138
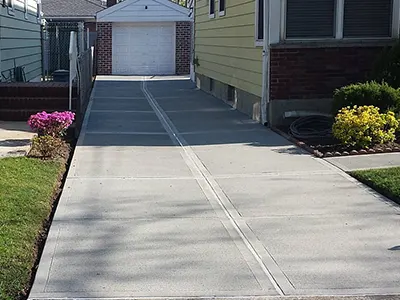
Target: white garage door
x=143, y=49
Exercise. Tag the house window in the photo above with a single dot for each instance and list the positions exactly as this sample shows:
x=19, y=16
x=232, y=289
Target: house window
x=10, y=6
x=367, y=18
x=222, y=7
x=260, y=20
x=39, y=10
x=211, y=8
x=311, y=19
x=26, y=9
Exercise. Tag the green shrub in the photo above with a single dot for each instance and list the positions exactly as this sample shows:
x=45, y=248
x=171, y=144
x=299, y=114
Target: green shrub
x=380, y=95
x=364, y=126
x=46, y=146
x=387, y=66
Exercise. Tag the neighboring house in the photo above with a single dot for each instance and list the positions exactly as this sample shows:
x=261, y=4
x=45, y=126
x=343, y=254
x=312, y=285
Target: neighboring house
x=62, y=17
x=144, y=37
x=73, y=11
x=310, y=47
x=20, y=40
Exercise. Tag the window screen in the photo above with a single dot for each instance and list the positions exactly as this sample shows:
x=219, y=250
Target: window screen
x=260, y=20
x=310, y=19
x=221, y=5
x=212, y=7
x=367, y=18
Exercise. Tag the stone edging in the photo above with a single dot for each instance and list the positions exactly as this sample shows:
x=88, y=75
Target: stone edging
x=319, y=154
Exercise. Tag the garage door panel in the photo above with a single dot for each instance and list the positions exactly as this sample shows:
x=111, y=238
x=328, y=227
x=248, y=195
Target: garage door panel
x=143, y=49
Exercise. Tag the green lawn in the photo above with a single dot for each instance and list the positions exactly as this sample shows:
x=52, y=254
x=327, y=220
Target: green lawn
x=27, y=187
x=385, y=181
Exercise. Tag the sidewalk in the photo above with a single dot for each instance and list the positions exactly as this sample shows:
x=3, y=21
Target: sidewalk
x=366, y=162
x=172, y=193
x=15, y=138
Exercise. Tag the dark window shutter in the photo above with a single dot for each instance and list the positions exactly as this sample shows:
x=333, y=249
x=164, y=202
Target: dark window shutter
x=367, y=18
x=260, y=20
x=310, y=18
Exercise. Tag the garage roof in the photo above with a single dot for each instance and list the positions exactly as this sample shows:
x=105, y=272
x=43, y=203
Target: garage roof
x=144, y=11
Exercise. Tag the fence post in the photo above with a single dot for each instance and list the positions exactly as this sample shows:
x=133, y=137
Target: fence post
x=87, y=38
x=73, y=56
x=81, y=36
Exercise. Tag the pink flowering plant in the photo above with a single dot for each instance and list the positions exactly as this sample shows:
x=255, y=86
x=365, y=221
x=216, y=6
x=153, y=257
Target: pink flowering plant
x=52, y=124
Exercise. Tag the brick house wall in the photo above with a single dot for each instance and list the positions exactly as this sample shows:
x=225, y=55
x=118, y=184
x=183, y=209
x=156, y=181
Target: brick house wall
x=183, y=47
x=314, y=73
x=104, y=48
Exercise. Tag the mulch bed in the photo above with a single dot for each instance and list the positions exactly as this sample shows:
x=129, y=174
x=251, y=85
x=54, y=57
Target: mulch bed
x=329, y=147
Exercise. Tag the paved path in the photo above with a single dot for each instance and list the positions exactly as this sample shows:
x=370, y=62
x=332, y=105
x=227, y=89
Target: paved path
x=366, y=162
x=15, y=138
x=173, y=194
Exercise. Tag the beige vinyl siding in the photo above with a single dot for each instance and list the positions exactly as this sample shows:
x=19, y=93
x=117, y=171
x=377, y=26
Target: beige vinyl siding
x=225, y=46
x=20, y=39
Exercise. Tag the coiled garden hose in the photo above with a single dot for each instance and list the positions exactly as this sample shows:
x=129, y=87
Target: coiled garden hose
x=312, y=127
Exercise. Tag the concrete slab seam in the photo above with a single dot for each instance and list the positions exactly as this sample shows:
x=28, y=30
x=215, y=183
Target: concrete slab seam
x=168, y=125
x=121, y=111
x=366, y=188
x=127, y=132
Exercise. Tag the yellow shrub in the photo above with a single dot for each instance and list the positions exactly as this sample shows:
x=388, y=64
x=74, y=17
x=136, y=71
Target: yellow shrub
x=364, y=126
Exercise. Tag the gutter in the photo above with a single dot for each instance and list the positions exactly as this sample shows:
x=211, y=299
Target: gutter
x=266, y=66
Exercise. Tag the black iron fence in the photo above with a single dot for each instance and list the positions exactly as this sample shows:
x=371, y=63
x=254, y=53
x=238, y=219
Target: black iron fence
x=56, y=40
x=84, y=84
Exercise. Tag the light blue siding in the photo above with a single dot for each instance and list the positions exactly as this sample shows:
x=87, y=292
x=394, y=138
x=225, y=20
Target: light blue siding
x=20, y=39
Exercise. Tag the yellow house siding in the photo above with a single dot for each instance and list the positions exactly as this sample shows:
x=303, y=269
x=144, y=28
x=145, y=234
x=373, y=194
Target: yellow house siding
x=225, y=45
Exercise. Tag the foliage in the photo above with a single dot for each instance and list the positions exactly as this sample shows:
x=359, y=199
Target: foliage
x=387, y=67
x=385, y=181
x=54, y=124
x=364, y=126
x=26, y=188
x=47, y=146
x=380, y=95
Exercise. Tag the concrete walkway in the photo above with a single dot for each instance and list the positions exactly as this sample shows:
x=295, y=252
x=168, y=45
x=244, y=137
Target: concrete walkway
x=366, y=162
x=173, y=194
x=15, y=138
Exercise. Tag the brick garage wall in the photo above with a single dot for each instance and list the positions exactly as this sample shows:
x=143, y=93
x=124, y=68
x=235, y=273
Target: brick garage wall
x=314, y=73
x=104, y=48
x=183, y=45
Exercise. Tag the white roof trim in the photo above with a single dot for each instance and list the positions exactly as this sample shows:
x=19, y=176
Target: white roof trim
x=121, y=5
x=181, y=13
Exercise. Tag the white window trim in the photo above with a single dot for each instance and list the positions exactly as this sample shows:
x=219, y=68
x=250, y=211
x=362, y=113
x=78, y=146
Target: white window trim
x=396, y=19
x=39, y=11
x=211, y=16
x=221, y=13
x=339, y=24
x=26, y=12
x=10, y=9
x=258, y=42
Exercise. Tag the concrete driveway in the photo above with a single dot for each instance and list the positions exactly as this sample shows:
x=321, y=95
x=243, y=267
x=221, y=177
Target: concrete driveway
x=172, y=193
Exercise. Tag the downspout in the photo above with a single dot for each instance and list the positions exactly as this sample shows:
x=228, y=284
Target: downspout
x=266, y=66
